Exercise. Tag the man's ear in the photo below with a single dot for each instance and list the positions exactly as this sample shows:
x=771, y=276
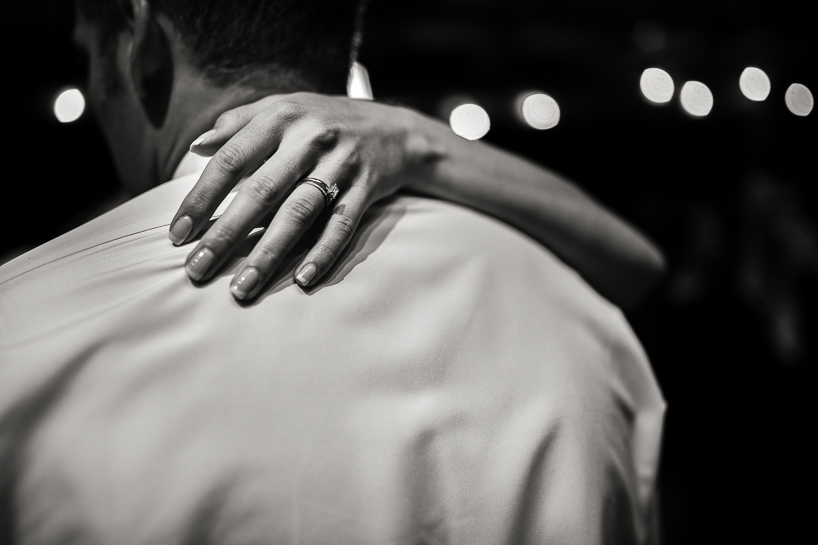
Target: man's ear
x=151, y=62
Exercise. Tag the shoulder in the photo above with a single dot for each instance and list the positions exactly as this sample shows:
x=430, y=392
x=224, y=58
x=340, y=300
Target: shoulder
x=406, y=247
x=87, y=267
x=440, y=229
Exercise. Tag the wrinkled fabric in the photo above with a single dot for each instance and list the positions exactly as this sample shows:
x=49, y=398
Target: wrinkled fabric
x=451, y=381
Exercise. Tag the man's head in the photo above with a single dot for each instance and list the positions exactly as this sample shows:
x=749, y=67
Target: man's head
x=161, y=71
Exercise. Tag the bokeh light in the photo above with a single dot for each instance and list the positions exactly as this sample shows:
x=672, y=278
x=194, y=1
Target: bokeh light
x=799, y=99
x=69, y=105
x=754, y=84
x=470, y=121
x=358, y=85
x=697, y=100
x=656, y=85
x=539, y=110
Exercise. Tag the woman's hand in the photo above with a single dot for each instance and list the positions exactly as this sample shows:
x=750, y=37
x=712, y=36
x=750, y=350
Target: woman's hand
x=371, y=150
x=368, y=150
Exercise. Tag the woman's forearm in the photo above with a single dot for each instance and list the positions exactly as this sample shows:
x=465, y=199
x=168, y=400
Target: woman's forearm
x=617, y=260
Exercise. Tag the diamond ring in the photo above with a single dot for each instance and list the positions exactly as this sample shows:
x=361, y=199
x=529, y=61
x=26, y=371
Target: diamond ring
x=329, y=192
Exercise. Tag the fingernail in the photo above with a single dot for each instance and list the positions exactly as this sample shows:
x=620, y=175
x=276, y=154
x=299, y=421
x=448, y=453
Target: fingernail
x=202, y=139
x=198, y=264
x=244, y=282
x=180, y=230
x=306, y=274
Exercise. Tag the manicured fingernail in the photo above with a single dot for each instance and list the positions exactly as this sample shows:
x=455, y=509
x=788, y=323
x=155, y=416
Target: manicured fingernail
x=202, y=139
x=306, y=274
x=180, y=230
x=244, y=282
x=198, y=264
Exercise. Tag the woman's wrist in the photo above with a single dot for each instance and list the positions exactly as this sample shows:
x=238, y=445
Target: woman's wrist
x=424, y=150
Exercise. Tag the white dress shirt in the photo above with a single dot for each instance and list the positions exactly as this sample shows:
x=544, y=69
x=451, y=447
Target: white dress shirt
x=451, y=381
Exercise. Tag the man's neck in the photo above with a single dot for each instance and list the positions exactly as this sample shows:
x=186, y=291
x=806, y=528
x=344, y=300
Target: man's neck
x=195, y=106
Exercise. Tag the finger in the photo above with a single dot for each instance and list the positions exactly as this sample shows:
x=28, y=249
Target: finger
x=260, y=194
x=228, y=124
x=244, y=152
x=341, y=227
x=294, y=217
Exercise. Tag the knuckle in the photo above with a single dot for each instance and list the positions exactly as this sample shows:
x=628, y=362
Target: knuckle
x=325, y=253
x=344, y=225
x=264, y=258
x=300, y=96
x=323, y=134
x=263, y=190
x=194, y=205
x=287, y=111
x=231, y=159
x=221, y=236
x=197, y=211
x=301, y=210
x=351, y=157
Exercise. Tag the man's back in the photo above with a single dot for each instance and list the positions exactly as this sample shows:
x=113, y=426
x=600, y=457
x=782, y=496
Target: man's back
x=451, y=382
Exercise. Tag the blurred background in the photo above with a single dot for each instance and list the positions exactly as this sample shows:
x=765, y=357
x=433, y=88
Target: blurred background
x=730, y=196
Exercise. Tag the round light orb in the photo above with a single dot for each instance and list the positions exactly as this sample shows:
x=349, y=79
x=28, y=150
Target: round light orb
x=697, y=100
x=799, y=99
x=754, y=84
x=69, y=105
x=540, y=111
x=656, y=85
x=470, y=121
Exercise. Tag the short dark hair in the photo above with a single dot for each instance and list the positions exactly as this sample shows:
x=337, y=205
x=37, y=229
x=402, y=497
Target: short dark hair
x=310, y=42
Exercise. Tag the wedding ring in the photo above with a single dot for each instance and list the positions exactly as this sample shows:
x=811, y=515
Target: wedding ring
x=329, y=192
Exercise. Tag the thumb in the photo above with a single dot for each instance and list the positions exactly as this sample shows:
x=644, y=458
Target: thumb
x=227, y=125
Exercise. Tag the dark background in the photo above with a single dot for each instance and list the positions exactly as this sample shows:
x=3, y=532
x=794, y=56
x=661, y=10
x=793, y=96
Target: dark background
x=731, y=199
